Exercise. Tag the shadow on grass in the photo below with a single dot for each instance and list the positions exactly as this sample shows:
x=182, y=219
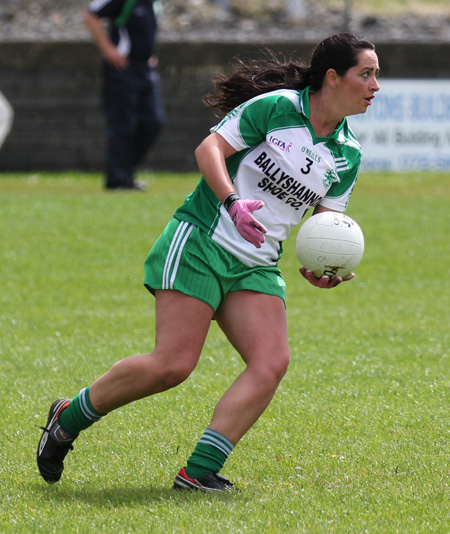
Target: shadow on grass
x=124, y=495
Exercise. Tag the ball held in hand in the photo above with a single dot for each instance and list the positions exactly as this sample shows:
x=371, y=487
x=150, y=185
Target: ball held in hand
x=330, y=243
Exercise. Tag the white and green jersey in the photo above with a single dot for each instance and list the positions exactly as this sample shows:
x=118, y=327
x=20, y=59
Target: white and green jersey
x=282, y=162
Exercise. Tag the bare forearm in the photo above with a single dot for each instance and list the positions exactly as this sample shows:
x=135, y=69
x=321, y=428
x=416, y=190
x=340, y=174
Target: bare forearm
x=211, y=155
x=102, y=41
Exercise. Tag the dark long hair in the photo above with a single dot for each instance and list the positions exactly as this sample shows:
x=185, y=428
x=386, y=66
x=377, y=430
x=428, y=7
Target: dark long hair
x=339, y=52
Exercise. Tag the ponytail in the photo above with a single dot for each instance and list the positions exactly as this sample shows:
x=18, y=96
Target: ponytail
x=255, y=78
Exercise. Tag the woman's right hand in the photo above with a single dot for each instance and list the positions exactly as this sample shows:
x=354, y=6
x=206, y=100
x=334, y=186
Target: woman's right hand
x=324, y=282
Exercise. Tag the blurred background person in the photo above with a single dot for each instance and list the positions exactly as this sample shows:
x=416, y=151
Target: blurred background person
x=125, y=32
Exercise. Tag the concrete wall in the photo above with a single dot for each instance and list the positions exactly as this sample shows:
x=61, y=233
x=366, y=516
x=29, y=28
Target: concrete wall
x=54, y=89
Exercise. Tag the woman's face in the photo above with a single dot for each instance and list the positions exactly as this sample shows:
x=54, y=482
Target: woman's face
x=358, y=86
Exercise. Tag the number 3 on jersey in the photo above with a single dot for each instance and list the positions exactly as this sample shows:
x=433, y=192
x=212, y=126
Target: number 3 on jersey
x=309, y=163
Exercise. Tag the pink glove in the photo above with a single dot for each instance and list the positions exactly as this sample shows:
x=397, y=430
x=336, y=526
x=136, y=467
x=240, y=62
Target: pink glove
x=249, y=228
x=324, y=282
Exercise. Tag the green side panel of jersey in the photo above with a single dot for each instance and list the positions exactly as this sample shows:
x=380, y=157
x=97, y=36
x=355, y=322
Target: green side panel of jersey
x=202, y=207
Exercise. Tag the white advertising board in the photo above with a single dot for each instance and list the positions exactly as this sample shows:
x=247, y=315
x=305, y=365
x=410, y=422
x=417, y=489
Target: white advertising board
x=407, y=127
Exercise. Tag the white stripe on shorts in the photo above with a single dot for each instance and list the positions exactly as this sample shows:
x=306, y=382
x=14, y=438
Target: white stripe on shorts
x=173, y=257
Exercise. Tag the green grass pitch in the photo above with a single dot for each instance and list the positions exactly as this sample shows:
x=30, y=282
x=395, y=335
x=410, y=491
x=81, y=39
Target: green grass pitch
x=356, y=440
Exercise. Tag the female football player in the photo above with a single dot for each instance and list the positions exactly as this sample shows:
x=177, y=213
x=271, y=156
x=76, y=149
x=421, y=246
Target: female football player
x=282, y=147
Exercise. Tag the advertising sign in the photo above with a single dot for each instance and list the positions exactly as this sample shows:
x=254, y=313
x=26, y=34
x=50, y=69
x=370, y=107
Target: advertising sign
x=407, y=127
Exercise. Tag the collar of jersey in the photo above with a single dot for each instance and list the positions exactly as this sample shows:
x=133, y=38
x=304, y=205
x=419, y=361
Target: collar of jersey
x=339, y=133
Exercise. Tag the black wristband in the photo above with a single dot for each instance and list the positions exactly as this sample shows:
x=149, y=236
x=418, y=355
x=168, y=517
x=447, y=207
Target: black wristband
x=230, y=200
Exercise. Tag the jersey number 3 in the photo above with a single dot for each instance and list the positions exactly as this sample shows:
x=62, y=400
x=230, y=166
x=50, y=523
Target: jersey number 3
x=309, y=163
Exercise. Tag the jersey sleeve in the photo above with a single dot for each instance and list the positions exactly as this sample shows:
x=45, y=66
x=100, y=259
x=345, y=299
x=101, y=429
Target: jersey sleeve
x=347, y=156
x=338, y=196
x=247, y=125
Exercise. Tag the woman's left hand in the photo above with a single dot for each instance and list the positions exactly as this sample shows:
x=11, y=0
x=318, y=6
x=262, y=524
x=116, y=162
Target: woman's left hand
x=324, y=282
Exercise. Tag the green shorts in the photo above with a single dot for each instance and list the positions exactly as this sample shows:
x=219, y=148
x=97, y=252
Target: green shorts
x=186, y=259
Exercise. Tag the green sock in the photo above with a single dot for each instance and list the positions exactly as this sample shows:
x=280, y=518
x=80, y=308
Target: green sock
x=209, y=454
x=79, y=414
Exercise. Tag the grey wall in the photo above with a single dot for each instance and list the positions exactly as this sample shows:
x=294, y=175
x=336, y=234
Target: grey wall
x=55, y=91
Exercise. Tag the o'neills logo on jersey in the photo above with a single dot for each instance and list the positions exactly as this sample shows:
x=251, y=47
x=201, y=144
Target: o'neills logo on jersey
x=279, y=143
x=283, y=186
x=311, y=154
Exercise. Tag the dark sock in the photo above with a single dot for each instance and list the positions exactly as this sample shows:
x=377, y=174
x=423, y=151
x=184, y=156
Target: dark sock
x=80, y=414
x=209, y=455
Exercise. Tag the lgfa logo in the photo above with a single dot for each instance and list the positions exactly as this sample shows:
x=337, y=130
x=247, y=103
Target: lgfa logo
x=279, y=144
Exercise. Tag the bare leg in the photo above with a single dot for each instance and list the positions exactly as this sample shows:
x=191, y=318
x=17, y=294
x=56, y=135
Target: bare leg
x=182, y=324
x=256, y=326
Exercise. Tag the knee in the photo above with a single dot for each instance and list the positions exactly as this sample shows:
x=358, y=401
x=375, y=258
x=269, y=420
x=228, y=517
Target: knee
x=279, y=367
x=174, y=375
x=170, y=372
x=272, y=372
x=153, y=373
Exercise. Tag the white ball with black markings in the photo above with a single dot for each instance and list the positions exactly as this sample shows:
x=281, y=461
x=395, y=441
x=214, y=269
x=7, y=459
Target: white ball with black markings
x=330, y=244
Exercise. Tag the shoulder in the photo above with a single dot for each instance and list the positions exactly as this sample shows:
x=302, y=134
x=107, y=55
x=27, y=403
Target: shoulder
x=280, y=105
x=281, y=97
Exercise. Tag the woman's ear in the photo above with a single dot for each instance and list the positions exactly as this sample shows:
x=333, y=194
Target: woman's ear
x=332, y=78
